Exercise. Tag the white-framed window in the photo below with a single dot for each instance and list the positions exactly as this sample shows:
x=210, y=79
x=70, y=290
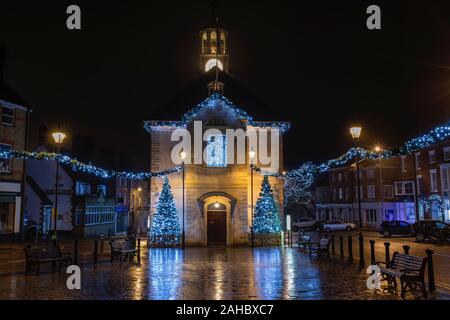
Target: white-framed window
x=403, y=188
x=370, y=173
x=5, y=163
x=371, y=216
x=433, y=180
x=82, y=188
x=339, y=177
x=446, y=154
x=432, y=156
x=99, y=215
x=216, y=151
x=445, y=178
x=420, y=187
x=371, y=192
x=341, y=194
x=417, y=157
x=403, y=159
x=388, y=191
x=7, y=116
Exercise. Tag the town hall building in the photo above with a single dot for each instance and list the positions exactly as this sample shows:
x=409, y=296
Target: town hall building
x=218, y=193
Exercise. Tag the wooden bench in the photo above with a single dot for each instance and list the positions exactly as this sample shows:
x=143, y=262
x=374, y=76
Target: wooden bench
x=304, y=241
x=409, y=269
x=124, y=249
x=35, y=256
x=323, y=246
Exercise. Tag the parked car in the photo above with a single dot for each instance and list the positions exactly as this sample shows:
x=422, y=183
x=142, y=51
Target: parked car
x=431, y=230
x=395, y=228
x=338, y=225
x=304, y=223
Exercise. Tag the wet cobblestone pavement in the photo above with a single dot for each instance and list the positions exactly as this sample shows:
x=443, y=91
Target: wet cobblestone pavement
x=205, y=273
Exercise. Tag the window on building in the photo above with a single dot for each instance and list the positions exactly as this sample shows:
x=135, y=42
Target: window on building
x=101, y=188
x=361, y=189
x=432, y=156
x=217, y=151
x=388, y=191
x=7, y=116
x=347, y=193
x=371, y=216
x=100, y=215
x=341, y=194
x=420, y=187
x=339, y=177
x=447, y=154
x=403, y=160
x=334, y=194
x=78, y=215
x=433, y=180
x=370, y=173
x=417, y=157
x=82, y=188
x=5, y=163
x=404, y=188
x=371, y=192
x=446, y=178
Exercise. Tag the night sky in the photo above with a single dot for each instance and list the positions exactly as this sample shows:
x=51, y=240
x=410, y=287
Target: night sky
x=314, y=62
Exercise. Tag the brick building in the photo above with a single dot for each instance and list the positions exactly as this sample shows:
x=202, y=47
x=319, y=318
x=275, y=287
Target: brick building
x=404, y=188
x=14, y=123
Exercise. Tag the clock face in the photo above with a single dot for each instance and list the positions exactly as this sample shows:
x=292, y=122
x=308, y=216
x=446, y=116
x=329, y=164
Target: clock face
x=212, y=63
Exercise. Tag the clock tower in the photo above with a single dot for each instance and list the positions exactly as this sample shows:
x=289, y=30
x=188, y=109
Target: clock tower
x=214, y=47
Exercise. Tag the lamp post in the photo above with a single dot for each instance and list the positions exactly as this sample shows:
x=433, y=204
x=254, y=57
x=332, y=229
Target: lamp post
x=183, y=157
x=378, y=149
x=58, y=137
x=356, y=133
x=251, y=155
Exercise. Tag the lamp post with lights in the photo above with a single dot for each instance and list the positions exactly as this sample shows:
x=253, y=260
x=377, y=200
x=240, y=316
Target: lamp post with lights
x=183, y=157
x=252, y=156
x=378, y=150
x=58, y=137
x=356, y=133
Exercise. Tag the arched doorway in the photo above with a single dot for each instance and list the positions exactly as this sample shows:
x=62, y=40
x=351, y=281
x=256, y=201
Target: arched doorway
x=217, y=224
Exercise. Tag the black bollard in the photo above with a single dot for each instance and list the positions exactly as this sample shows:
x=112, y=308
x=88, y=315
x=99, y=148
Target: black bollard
x=350, y=249
x=341, y=247
x=406, y=249
x=388, y=255
x=372, y=252
x=139, y=251
x=431, y=284
x=333, y=249
x=95, y=251
x=75, y=253
x=361, y=250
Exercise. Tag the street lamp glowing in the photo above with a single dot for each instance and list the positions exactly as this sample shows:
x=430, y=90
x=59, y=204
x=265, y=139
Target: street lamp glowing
x=355, y=132
x=182, y=155
x=377, y=149
x=139, y=189
x=252, y=154
x=59, y=137
x=217, y=205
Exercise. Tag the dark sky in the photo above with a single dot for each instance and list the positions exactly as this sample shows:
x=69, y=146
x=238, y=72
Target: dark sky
x=313, y=61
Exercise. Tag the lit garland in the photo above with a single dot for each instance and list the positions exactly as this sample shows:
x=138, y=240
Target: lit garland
x=215, y=97
x=78, y=166
x=433, y=199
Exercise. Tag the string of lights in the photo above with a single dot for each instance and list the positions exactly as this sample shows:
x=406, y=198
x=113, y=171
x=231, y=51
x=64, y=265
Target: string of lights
x=306, y=171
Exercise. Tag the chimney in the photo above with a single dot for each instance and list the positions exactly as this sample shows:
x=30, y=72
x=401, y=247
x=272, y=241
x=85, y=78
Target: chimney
x=2, y=63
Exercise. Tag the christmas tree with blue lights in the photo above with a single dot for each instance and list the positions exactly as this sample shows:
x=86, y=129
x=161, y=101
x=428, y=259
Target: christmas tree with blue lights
x=267, y=217
x=165, y=228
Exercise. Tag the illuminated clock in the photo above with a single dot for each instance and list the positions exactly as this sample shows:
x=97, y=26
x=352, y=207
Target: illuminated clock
x=212, y=63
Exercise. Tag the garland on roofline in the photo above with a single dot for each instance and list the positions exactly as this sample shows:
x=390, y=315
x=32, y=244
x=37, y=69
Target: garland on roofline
x=306, y=171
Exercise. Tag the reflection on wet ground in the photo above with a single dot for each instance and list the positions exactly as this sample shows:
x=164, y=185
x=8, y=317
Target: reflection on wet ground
x=205, y=273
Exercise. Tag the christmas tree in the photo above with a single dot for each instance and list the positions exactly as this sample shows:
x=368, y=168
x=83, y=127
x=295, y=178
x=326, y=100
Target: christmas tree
x=165, y=228
x=266, y=218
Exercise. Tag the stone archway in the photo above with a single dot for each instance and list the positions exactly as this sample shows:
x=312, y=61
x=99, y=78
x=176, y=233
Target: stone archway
x=202, y=199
